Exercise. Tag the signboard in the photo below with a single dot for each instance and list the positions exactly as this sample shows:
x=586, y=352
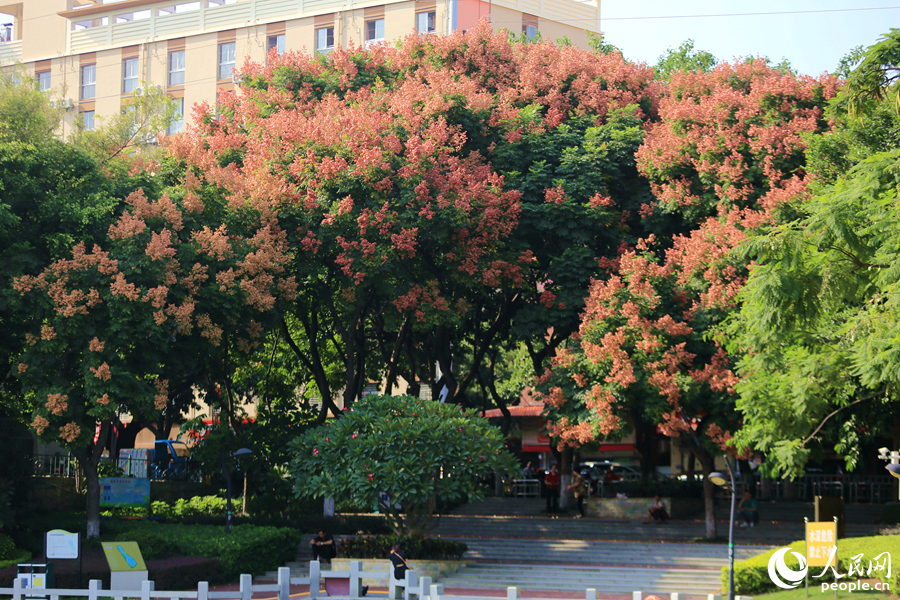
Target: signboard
x=123, y=556
x=124, y=491
x=62, y=544
x=821, y=544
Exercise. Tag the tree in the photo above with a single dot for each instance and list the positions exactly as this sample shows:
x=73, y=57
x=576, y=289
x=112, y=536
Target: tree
x=404, y=233
x=418, y=452
x=723, y=159
x=109, y=326
x=878, y=75
x=684, y=58
x=820, y=322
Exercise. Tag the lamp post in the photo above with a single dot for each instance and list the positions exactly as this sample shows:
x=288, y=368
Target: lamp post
x=719, y=479
x=227, y=472
x=893, y=457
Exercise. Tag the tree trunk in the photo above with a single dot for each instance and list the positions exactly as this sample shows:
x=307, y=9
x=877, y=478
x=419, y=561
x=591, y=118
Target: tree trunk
x=89, y=468
x=707, y=464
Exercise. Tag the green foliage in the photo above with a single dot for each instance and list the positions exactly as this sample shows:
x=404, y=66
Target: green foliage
x=109, y=469
x=19, y=556
x=414, y=450
x=415, y=548
x=25, y=112
x=599, y=46
x=820, y=323
x=7, y=547
x=196, y=506
x=684, y=58
x=153, y=544
x=751, y=576
x=877, y=77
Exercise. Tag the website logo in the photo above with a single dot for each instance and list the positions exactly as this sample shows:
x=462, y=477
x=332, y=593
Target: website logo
x=782, y=575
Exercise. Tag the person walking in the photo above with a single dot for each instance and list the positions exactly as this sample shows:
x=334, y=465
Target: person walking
x=552, y=482
x=578, y=490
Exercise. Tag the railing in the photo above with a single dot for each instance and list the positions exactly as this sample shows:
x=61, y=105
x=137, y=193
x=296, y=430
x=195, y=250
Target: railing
x=522, y=488
x=65, y=465
x=347, y=584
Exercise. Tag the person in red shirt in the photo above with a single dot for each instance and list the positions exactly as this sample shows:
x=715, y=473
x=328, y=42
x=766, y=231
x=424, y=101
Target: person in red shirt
x=552, y=482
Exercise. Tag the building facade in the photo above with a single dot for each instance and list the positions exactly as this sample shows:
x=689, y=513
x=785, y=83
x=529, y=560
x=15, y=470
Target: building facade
x=92, y=56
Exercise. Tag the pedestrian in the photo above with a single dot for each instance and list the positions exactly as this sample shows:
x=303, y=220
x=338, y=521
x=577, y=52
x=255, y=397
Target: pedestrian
x=749, y=510
x=552, y=482
x=657, y=511
x=579, y=490
x=528, y=472
x=399, y=562
x=323, y=547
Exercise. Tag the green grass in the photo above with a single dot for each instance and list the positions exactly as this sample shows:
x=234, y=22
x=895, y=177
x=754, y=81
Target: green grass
x=816, y=593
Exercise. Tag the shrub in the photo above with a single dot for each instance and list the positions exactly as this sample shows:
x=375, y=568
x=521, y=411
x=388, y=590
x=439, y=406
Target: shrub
x=751, y=576
x=153, y=544
x=414, y=547
x=197, y=506
x=7, y=547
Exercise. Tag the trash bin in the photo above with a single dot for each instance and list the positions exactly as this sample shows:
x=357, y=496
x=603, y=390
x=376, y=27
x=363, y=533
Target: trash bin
x=37, y=576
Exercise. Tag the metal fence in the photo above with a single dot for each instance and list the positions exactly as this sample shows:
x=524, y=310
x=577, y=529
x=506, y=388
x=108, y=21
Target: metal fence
x=65, y=465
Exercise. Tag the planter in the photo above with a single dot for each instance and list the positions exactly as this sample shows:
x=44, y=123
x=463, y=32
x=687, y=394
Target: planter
x=425, y=568
x=634, y=509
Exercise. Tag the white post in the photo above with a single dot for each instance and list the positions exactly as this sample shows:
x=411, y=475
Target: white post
x=512, y=593
x=714, y=597
x=424, y=587
x=313, y=579
x=146, y=588
x=637, y=596
x=590, y=594
x=284, y=583
x=437, y=590
x=203, y=590
x=675, y=596
x=355, y=579
x=246, y=587
x=18, y=588
x=94, y=586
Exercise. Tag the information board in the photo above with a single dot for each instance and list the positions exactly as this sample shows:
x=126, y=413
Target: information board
x=123, y=556
x=124, y=491
x=62, y=544
x=821, y=544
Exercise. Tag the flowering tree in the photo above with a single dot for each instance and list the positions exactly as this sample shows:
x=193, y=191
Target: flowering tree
x=415, y=451
x=109, y=325
x=725, y=157
x=380, y=165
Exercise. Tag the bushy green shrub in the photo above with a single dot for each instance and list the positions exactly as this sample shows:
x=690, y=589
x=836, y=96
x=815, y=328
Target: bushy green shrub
x=414, y=547
x=16, y=557
x=751, y=576
x=7, y=547
x=197, y=506
x=153, y=544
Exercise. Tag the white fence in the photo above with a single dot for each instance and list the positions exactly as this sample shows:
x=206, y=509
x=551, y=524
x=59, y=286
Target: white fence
x=340, y=584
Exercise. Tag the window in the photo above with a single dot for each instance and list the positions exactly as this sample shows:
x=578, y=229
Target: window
x=325, y=39
x=176, y=68
x=129, y=75
x=530, y=31
x=43, y=81
x=177, y=124
x=87, y=120
x=226, y=60
x=88, y=81
x=425, y=22
x=276, y=43
x=374, y=31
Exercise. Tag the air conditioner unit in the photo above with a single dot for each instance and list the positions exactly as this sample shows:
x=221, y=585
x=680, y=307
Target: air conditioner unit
x=236, y=77
x=54, y=104
x=138, y=91
x=67, y=103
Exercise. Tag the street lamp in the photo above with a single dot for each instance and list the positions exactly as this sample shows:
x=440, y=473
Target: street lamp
x=227, y=472
x=720, y=480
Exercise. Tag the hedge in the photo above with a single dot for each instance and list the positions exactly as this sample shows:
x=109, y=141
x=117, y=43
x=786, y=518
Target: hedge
x=751, y=576
x=371, y=546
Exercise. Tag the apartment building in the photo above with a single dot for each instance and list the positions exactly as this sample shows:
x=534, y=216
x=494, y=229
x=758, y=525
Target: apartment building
x=91, y=55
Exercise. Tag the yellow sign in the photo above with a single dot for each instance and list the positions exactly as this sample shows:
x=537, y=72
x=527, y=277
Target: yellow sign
x=821, y=544
x=124, y=556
